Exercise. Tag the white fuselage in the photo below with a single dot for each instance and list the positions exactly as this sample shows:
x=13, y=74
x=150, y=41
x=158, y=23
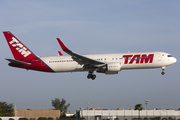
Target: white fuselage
x=138, y=60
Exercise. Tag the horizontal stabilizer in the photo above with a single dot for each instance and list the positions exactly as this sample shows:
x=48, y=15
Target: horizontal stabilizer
x=18, y=62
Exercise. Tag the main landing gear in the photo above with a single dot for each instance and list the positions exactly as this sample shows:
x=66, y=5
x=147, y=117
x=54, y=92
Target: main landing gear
x=163, y=69
x=91, y=75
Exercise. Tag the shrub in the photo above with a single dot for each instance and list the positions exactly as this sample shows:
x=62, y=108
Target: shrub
x=50, y=118
x=164, y=119
x=23, y=119
x=42, y=118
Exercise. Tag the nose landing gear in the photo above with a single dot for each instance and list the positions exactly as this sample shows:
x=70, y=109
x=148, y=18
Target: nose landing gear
x=163, y=69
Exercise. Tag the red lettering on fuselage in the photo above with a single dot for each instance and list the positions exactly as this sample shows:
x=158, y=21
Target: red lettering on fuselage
x=138, y=58
x=126, y=58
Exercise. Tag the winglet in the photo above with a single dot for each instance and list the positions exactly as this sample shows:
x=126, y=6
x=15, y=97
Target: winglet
x=60, y=53
x=64, y=48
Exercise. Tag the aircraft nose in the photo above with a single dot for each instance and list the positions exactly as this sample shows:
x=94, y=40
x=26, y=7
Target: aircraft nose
x=174, y=60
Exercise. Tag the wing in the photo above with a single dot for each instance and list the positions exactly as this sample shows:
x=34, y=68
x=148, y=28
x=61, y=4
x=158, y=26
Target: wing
x=80, y=59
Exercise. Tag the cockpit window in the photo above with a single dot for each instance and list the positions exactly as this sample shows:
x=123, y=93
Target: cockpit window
x=169, y=55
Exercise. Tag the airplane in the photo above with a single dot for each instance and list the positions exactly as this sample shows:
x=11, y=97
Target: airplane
x=101, y=63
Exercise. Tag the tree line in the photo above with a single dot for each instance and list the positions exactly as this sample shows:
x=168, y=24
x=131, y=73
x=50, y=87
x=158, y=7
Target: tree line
x=8, y=110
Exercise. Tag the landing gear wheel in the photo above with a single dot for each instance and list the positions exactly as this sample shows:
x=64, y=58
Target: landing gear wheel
x=162, y=73
x=93, y=77
x=163, y=69
x=89, y=76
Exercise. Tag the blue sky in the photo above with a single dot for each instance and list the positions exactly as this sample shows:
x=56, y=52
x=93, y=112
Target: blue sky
x=91, y=27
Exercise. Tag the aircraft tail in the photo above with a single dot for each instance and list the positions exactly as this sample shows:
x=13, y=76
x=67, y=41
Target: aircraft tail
x=18, y=49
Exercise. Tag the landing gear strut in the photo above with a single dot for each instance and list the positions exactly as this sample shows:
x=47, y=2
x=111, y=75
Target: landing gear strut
x=163, y=69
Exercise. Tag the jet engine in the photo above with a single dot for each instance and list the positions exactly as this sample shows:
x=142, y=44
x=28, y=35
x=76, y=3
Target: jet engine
x=113, y=68
x=110, y=68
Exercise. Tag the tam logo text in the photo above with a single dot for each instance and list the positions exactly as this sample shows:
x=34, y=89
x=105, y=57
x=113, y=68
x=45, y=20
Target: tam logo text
x=19, y=47
x=144, y=58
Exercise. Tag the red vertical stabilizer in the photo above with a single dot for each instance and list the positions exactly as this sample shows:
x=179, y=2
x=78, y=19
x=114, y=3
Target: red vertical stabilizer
x=18, y=49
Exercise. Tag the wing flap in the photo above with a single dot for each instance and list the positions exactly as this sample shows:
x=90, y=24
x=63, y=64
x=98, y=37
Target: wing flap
x=18, y=62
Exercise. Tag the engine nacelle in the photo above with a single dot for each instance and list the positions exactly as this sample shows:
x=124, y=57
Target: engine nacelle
x=113, y=68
